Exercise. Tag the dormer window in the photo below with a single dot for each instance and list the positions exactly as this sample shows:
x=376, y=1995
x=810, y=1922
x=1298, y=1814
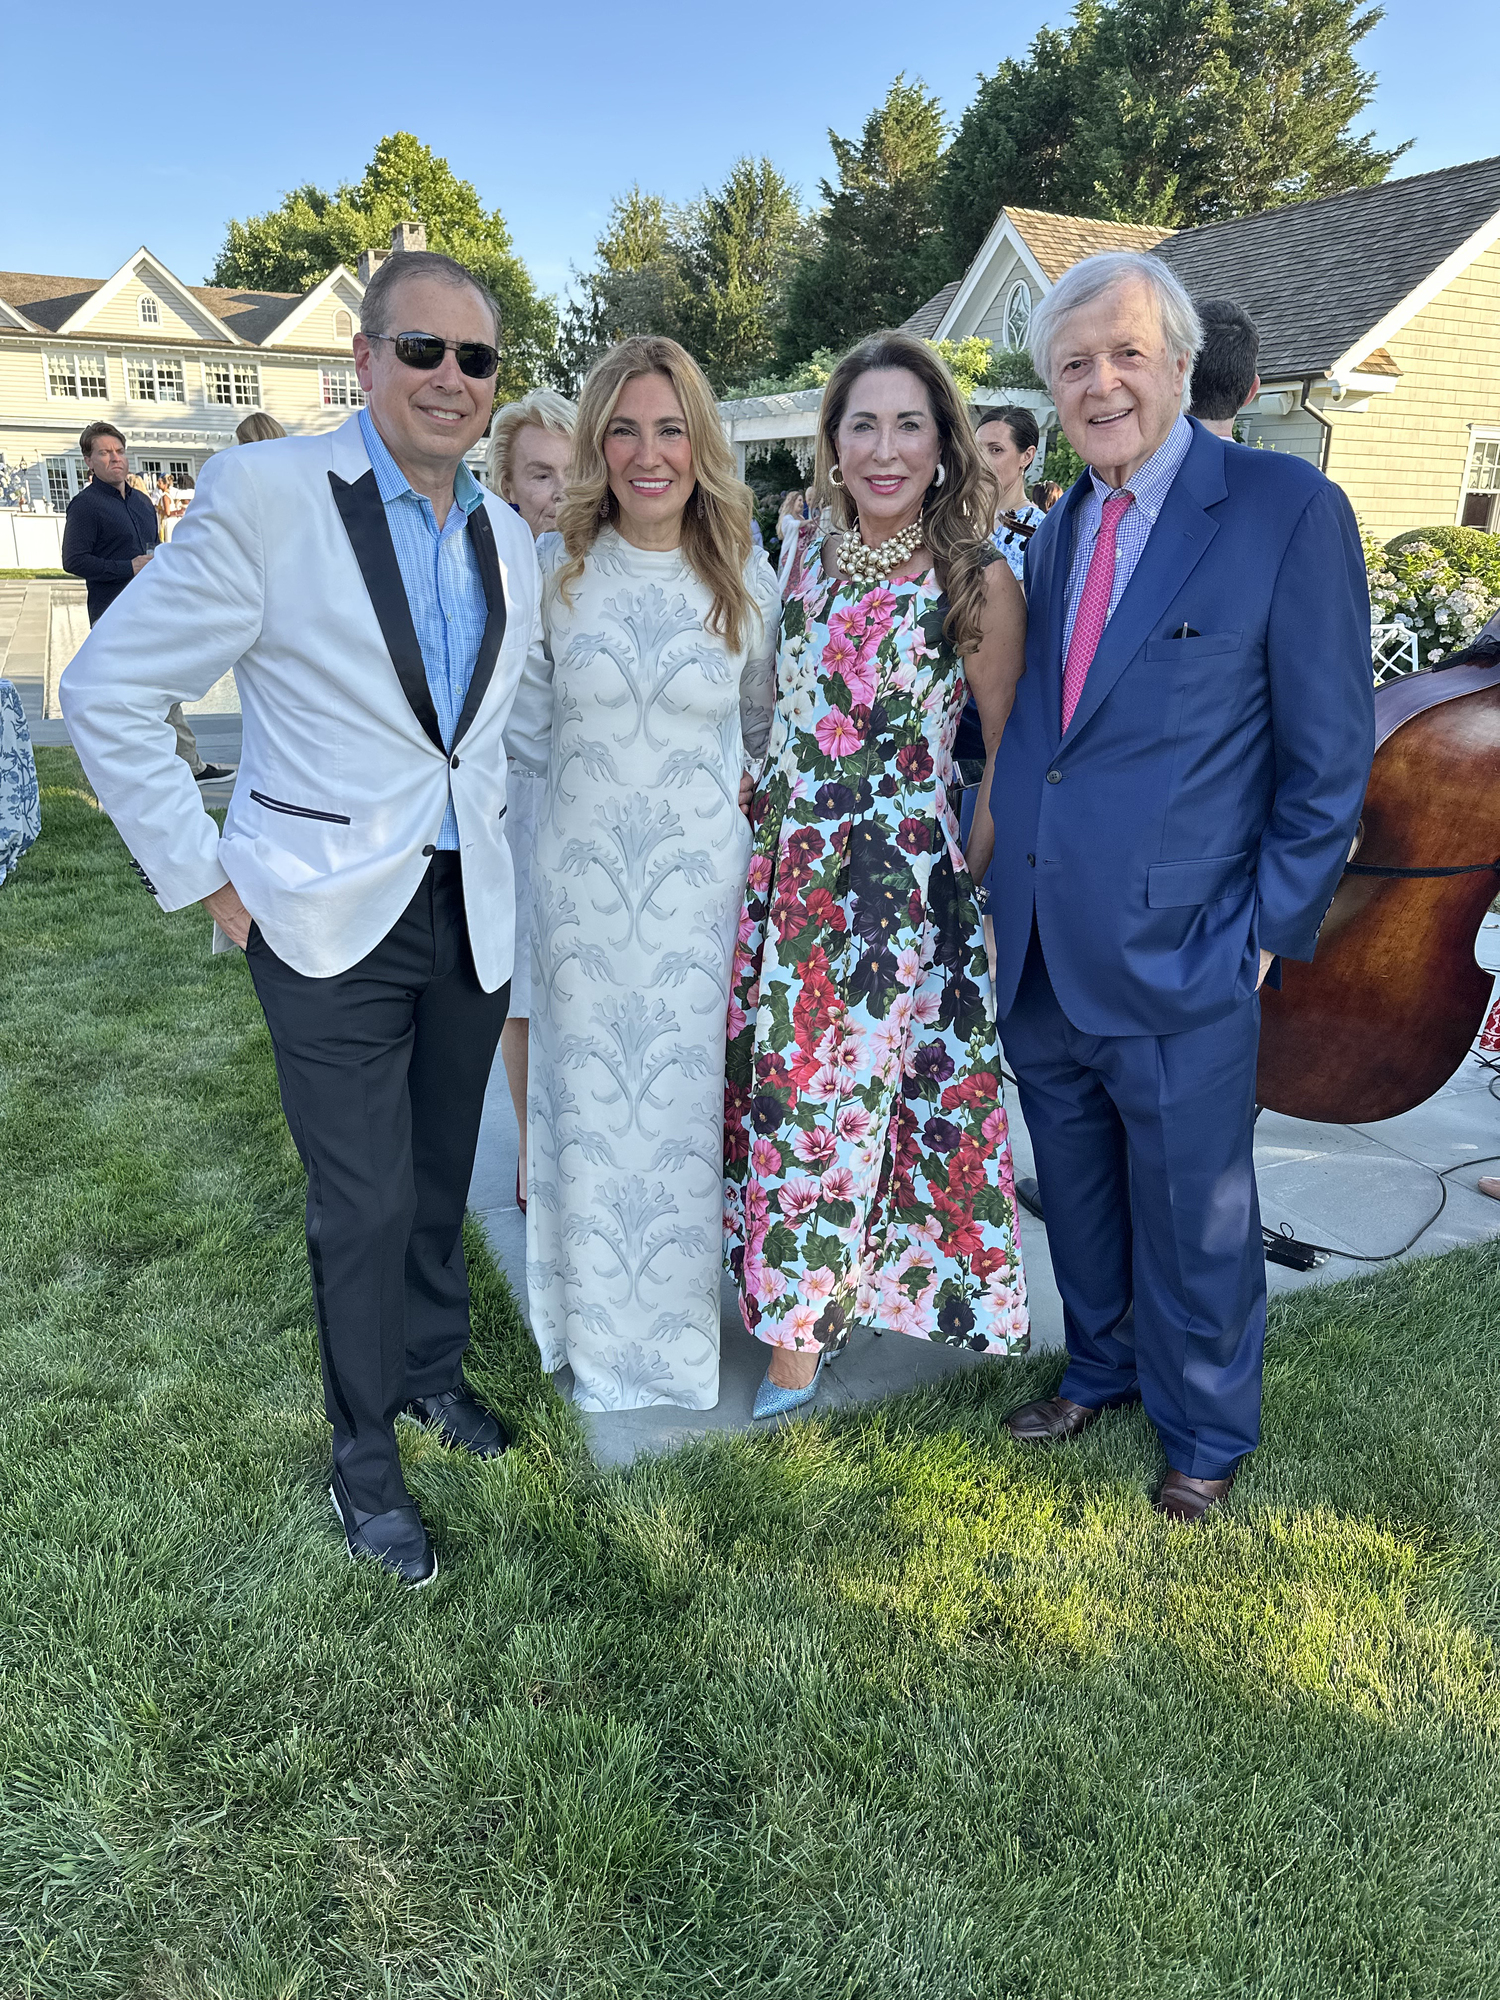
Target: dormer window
x=1018, y=314
x=150, y=310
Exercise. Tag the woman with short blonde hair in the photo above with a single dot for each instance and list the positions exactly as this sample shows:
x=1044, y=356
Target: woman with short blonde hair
x=257, y=428
x=530, y=449
x=868, y=1163
x=660, y=623
x=531, y=446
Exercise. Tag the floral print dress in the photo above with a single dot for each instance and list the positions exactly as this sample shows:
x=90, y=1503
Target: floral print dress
x=867, y=1159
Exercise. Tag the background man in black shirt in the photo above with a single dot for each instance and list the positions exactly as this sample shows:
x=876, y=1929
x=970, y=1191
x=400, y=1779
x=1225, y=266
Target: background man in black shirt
x=110, y=537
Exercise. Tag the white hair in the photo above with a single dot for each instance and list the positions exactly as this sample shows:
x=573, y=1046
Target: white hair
x=1090, y=279
x=543, y=409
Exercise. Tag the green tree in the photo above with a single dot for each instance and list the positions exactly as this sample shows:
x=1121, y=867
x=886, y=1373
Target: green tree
x=741, y=244
x=1174, y=112
x=635, y=286
x=291, y=248
x=880, y=253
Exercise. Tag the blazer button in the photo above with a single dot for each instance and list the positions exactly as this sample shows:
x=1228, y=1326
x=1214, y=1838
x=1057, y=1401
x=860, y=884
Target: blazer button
x=1053, y=777
x=429, y=850
x=454, y=762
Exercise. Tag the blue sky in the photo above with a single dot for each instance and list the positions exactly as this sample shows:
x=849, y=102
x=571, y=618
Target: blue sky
x=181, y=117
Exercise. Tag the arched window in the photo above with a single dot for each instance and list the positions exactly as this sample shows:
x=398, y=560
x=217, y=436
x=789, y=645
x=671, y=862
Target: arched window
x=150, y=310
x=343, y=326
x=1018, y=314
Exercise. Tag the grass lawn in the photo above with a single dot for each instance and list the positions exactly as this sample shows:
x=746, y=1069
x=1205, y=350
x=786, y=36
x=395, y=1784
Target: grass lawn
x=31, y=575
x=874, y=1708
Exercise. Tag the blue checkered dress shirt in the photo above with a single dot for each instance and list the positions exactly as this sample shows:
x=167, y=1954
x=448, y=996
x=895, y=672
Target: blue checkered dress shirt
x=443, y=586
x=1150, y=486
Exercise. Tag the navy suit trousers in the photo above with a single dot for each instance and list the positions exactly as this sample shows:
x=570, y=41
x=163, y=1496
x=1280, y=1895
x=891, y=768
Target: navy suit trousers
x=1144, y=1153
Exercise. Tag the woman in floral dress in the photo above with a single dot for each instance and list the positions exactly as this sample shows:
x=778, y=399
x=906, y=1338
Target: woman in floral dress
x=868, y=1170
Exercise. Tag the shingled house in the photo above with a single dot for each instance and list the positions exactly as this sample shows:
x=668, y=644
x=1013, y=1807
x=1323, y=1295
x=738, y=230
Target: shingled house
x=1379, y=315
x=174, y=366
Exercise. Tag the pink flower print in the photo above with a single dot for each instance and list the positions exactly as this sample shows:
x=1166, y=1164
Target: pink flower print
x=802, y=1324
x=735, y=1025
x=827, y=1084
x=879, y=609
x=815, y=1148
x=838, y=734
x=772, y=1284
x=839, y=651
x=798, y=1198
x=838, y=1184
x=759, y=878
x=909, y=966
x=993, y=1128
x=853, y=1122
x=765, y=1159
x=860, y=674
x=815, y=1286
x=926, y=1007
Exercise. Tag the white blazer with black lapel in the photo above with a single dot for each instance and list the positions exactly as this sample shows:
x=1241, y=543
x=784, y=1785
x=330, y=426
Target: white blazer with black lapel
x=283, y=570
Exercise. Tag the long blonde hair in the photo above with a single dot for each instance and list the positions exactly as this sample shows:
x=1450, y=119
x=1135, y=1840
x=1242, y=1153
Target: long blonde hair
x=716, y=521
x=539, y=409
x=958, y=514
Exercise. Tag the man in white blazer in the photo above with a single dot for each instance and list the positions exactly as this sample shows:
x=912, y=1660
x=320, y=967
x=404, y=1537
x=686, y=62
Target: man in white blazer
x=378, y=609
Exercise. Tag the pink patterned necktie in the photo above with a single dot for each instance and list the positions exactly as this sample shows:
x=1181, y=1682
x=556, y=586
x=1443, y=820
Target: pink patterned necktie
x=1093, y=606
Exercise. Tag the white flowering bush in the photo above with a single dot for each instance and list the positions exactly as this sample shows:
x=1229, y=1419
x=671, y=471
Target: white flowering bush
x=1443, y=584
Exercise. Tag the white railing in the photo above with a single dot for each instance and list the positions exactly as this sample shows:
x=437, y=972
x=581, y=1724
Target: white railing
x=1393, y=648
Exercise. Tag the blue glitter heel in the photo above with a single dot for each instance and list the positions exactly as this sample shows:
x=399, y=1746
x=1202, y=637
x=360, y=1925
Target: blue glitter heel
x=771, y=1401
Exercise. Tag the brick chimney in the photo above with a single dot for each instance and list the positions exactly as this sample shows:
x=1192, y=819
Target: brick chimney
x=408, y=236
x=369, y=262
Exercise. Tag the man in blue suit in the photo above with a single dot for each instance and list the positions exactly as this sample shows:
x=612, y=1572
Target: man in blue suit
x=1173, y=802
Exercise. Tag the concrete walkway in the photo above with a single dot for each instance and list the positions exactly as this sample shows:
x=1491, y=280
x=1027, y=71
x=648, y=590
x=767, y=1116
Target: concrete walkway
x=1359, y=1189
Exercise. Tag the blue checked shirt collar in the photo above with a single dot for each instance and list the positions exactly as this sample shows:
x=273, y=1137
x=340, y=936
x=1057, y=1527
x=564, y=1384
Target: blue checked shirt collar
x=391, y=482
x=1149, y=487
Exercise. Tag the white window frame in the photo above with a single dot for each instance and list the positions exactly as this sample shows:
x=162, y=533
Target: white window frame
x=348, y=379
x=235, y=368
x=155, y=361
x=1479, y=434
x=1011, y=296
x=71, y=360
x=153, y=317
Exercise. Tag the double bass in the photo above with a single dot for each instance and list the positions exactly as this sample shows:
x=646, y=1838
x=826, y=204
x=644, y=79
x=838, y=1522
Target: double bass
x=1393, y=999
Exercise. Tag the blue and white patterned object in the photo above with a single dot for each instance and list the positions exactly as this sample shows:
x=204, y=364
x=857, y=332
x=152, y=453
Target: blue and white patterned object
x=20, y=805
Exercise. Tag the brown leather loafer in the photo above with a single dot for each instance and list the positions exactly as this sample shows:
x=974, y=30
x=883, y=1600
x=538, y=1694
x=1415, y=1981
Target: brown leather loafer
x=1188, y=1500
x=1051, y=1422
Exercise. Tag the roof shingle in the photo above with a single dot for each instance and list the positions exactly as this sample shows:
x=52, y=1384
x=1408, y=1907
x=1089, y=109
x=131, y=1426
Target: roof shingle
x=1317, y=275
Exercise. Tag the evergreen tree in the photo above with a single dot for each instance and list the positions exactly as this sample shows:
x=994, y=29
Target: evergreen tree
x=742, y=242
x=1176, y=112
x=880, y=254
x=290, y=248
x=635, y=287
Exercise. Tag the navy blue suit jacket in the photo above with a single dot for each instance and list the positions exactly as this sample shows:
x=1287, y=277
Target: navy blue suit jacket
x=1201, y=805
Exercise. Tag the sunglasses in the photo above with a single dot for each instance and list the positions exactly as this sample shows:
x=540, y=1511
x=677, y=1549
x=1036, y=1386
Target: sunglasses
x=476, y=358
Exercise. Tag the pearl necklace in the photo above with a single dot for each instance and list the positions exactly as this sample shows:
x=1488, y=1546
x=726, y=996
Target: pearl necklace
x=865, y=567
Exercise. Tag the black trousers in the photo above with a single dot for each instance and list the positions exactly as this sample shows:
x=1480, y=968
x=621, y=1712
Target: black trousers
x=382, y=1071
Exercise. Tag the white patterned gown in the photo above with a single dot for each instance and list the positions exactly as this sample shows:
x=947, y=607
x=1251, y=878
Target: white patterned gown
x=637, y=880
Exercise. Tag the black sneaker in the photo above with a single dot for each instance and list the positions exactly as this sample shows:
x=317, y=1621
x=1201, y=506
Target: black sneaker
x=461, y=1420
x=396, y=1539
x=211, y=773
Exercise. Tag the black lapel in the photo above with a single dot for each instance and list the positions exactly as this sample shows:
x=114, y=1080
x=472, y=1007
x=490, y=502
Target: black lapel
x=369, y=532
x=482, y=541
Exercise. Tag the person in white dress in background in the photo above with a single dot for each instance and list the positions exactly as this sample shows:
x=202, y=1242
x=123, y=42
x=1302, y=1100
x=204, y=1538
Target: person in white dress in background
x=661, y=623
x=531, y=445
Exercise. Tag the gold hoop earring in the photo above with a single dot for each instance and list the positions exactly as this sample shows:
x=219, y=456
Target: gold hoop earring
x=835, y=477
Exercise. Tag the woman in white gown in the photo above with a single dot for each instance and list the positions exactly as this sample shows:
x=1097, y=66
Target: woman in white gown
x=661, y=625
